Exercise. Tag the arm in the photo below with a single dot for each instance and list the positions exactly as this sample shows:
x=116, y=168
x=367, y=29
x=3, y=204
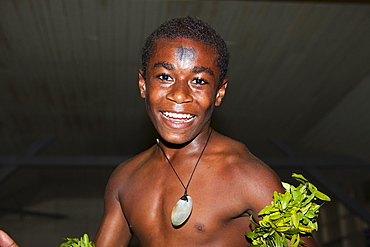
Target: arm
x=114, y=230
x=6, y=241
x=310, y=242
x=266, y=183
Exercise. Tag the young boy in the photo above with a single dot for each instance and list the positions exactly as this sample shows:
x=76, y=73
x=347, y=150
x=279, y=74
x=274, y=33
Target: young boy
x=214, y=181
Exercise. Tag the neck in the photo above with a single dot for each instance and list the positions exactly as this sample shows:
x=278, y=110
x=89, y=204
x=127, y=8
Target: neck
x=192, y=146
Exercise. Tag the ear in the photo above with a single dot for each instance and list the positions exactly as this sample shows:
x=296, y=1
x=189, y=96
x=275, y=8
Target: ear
x=221, y=92
x=142, y=85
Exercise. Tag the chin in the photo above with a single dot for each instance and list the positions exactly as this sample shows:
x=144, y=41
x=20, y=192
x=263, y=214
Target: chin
x=176, y=138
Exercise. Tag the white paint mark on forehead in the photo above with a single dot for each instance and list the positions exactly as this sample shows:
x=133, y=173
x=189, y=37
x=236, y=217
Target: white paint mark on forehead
x=185, y=53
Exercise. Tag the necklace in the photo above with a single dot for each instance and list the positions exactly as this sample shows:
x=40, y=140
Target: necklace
x=181, y=211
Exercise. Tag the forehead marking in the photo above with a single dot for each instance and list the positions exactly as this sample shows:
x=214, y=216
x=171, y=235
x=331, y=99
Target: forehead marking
x=184, y=53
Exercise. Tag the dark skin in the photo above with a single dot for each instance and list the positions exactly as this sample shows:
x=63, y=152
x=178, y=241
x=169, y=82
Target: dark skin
x=181, y=89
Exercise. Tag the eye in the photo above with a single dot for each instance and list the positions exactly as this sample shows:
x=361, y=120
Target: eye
x=164, y=77
x=200, y=81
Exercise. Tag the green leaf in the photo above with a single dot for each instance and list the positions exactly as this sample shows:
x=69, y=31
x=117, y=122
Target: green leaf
x=295, y=219
x=295, y=194
x=294, y=242
x=275, y=216
x=299, y=177
x=322, y=196
x=277, y=197
x=309, y=198
x=286, y=186
x=305, y=228
x=305, y=209
x=250, y=234
x=282, y=228
x=311, y=214
x=292, y=231
x=277, y=240
x=312, y=188
x=286, y=198
x=268, y=209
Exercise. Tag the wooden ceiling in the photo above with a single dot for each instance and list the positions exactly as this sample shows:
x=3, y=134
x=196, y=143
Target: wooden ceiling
x=299, y=74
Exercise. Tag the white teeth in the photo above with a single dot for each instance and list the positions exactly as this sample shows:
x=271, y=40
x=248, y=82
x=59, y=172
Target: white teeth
x=178, y=115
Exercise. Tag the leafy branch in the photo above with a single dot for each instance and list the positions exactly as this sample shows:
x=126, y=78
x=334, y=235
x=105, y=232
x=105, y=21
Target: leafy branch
x=290, y=216
x=75, y=242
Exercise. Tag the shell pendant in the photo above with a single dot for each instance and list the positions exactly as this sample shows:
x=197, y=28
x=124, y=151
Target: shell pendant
x=181, y=211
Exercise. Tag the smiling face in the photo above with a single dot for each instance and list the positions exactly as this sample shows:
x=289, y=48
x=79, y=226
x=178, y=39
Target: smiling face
x=181, y=88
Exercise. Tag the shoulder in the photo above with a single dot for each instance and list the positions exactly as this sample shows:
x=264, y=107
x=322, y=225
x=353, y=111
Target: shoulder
x=255, y=178
x=124, y=173
x=236, y=154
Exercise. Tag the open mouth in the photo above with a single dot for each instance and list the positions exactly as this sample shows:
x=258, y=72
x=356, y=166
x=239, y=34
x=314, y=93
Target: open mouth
x=178, y=117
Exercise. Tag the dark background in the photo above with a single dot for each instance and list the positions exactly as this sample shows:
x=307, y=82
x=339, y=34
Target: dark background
x=70, y=109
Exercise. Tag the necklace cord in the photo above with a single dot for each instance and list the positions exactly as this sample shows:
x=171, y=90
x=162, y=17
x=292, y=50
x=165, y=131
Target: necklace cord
x=192, y=173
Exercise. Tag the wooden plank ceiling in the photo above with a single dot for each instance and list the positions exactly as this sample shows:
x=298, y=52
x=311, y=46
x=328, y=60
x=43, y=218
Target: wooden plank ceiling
x=300, y=72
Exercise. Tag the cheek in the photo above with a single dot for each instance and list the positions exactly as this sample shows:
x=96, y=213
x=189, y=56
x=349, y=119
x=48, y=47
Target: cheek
x=154, y=100
x=207, y=102
x=152, y=94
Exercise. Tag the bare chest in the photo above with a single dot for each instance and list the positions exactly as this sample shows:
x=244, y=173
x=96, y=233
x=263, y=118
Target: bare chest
x=216, y=212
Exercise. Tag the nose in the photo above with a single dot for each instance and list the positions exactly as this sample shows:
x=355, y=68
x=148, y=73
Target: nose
x=180, y=93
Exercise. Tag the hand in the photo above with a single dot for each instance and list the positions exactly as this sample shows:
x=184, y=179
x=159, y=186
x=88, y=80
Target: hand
x=6, y=241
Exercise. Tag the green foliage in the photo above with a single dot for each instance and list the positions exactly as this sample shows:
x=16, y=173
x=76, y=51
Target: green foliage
x=290, y=216
x=75, y=242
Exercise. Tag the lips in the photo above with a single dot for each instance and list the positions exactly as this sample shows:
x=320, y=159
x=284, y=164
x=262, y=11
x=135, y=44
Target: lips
x=177, y=117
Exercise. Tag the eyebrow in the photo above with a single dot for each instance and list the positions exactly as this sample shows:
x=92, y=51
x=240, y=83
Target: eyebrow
x=164, y=65
x=199, y=69
x=196, y=69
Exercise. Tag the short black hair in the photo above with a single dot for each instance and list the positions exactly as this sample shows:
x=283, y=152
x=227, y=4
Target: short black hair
x=189, y=28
